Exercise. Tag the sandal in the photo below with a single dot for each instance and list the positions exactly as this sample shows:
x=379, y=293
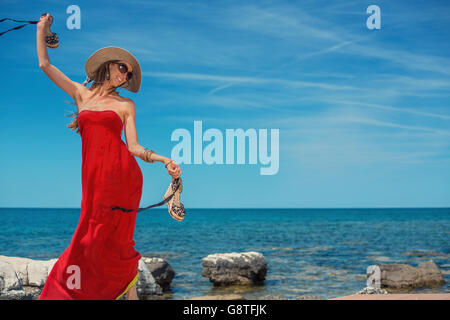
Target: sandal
x=176, y=208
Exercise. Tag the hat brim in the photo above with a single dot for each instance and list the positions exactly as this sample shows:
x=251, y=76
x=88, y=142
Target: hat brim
x=115, y=53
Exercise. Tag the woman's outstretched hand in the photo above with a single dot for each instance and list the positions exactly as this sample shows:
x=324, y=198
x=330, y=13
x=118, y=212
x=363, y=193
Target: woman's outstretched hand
x=173, y=169
x=45, y=21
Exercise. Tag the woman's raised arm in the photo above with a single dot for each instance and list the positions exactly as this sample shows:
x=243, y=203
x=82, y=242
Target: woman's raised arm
x=60, y=79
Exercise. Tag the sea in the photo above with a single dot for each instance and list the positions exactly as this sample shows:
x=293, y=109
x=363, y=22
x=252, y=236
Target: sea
x=323, y=253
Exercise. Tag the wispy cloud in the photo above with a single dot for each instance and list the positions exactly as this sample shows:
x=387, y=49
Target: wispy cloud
x=374, y=122
x=395, y=109
x=253, y=80
x=403, y=58
x=289, y=63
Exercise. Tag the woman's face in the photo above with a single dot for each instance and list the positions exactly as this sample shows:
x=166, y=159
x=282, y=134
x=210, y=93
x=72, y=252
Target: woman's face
x=116, y=77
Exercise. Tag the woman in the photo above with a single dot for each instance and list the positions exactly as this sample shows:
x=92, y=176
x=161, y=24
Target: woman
x=101, y=262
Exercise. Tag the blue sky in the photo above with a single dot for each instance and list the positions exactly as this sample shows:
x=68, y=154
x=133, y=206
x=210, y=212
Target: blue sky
x=363, y=115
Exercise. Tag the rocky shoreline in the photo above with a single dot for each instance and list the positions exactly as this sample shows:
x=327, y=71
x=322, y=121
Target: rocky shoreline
x=24, y=278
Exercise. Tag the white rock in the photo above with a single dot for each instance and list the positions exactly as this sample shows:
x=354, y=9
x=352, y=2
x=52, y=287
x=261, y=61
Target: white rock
x=30, y=272
x=146, y=284
x=20, y=267
x=8, y=278
x=38, y=271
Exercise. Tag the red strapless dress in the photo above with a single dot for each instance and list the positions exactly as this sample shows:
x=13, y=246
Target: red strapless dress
x=101, y=253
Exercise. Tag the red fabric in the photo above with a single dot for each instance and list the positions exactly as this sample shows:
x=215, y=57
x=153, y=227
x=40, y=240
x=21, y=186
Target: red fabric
x=102, y=245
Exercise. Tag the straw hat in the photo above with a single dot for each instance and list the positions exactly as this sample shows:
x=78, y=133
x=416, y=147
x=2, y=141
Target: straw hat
x=115, y=53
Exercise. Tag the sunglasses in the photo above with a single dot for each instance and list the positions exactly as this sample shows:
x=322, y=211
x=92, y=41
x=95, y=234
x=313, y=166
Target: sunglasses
x=124, y=69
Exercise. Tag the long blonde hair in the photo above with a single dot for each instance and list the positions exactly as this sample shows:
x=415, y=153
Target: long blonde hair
x=99, y=79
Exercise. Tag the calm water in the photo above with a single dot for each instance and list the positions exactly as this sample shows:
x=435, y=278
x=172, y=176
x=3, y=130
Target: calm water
x=321, y=252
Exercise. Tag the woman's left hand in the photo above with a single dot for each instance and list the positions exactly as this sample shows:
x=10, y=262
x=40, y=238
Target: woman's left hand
x=174, y=170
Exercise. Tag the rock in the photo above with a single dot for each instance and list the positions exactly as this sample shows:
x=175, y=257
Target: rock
x=309, y=297
x=146, y=286
x=30, y=276
x=31, y=272
x=403, y=276
x=23, y=279
x=371, y=290
x=20, y=266
x=38, y=271
x=16, y=295
x=8, y=278
x=430, y=274
x=218, y=297
x=161, y=271
x=235, y=268
x=301, y=297
x=271, y=297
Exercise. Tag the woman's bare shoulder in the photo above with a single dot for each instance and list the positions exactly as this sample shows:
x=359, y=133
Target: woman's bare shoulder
x=127, y=100
x=128, y=105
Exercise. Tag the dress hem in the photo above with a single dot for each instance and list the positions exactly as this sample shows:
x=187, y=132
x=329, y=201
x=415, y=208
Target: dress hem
x=131, y=284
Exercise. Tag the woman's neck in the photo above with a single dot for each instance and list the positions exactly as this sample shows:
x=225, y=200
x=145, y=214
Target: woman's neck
x=102, y=91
